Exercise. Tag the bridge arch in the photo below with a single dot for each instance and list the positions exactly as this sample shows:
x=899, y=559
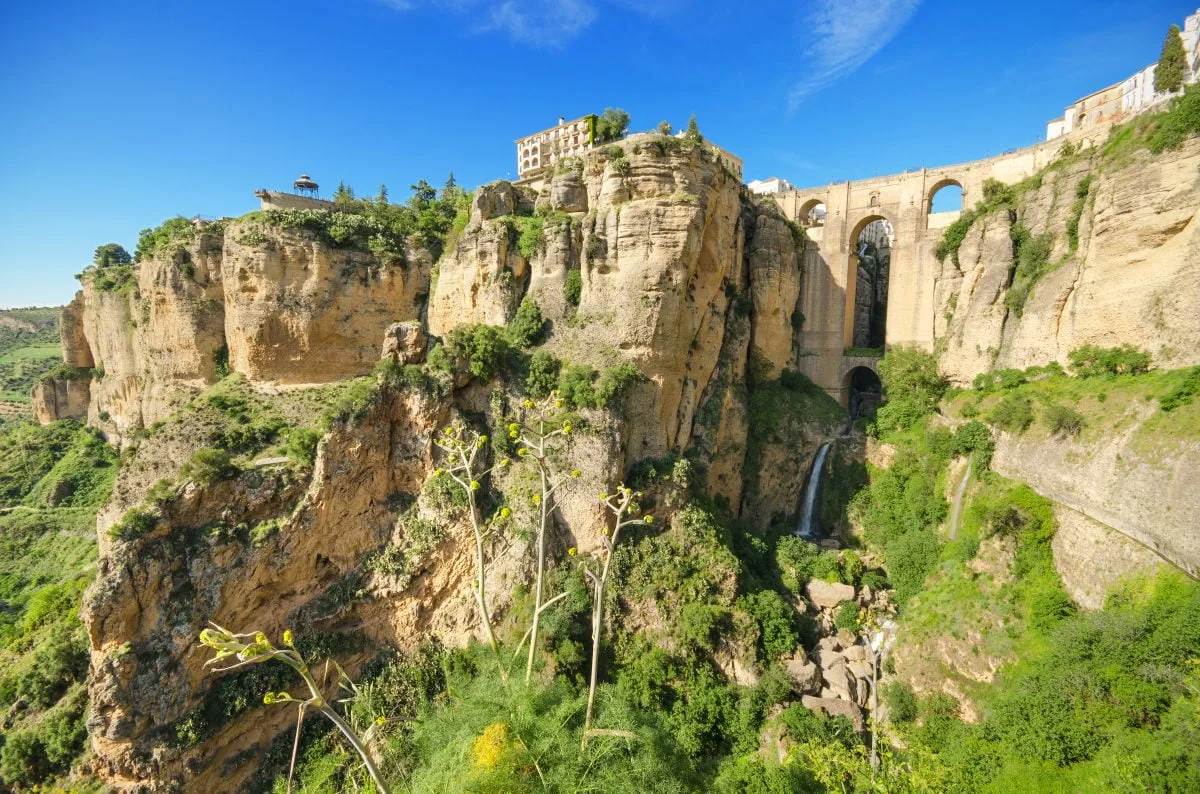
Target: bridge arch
x=868, y=270
x=812, y=212
x=862, y=388
x=940, y=185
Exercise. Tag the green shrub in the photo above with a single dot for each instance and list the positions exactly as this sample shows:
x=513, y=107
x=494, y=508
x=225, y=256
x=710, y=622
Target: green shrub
x=1180, y=122
x=1183, y=392
x=221, y=362
x=23, y=761
x=63, y=734
x=900, y=700
x=912, y=388
x=527, y=327
x=134, y=523
x=1092, y=361
x=302, y=445
x=845, y=617
x=910, y=558
x=1014, y=413
x=573, y=287
x=1062, y=420
x=208, y=466
x=776, y=620
x=614, y=382
x=351, y=404
x=1081, y=194
x=171, y=231
x=701, y=625
x=800, y=561
x=543, y=374
x=852, y=567
x=483, y=348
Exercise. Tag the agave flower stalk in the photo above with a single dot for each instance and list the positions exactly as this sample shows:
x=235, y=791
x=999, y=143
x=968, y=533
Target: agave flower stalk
x=542, y=424
x=621, y=504
x=256, y=648
x=462, y=447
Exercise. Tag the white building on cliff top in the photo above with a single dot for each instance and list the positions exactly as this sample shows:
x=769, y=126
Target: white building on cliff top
x=1129, y=97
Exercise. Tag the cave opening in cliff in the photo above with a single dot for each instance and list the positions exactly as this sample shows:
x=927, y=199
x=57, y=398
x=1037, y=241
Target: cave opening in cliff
x=871, y=262
x=864, y=392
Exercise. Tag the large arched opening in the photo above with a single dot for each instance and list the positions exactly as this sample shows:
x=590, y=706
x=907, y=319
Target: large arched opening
x=945, y=196
x=867, y=284
x=864, y=392
x=812, y=213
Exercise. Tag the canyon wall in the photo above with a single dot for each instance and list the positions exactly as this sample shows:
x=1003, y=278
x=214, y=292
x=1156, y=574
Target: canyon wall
x=1133, y=276
x=681, y=273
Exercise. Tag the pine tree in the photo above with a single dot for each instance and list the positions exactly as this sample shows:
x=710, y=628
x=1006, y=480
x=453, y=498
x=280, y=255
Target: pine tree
x=344, y=194
x=692, y=134
x=382, y=198
x=1172, y=64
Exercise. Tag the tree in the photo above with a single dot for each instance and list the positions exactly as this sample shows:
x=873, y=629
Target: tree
x=664, y=128
x=111, y=254
x=692, y=134
x=1172, y=64
x=611, y=125
x=344, y=194
x=382, y=198
x=424, y=194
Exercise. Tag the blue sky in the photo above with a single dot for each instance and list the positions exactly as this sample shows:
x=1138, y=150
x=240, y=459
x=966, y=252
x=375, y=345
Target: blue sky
x=119, y=116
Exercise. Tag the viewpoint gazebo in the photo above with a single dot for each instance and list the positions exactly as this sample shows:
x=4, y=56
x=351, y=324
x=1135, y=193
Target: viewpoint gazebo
x=305, y=186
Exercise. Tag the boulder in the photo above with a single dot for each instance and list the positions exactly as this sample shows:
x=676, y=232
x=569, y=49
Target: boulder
x=826, y=657
x=855, y=653
x=836, y=708
x=404, y=343
x=830, y=644
x=839, y=680
x=828, y=594
x=805, y=675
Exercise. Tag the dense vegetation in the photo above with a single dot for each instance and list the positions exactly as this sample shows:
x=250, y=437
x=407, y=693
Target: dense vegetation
x=53, y=478
x=376, y=224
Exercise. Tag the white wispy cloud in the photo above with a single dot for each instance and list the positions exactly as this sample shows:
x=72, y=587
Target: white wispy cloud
x=845, y=35
x=541, y=23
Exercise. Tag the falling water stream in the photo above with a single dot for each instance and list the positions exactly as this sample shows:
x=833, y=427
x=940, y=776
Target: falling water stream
x=959, y=492
x=808, y=511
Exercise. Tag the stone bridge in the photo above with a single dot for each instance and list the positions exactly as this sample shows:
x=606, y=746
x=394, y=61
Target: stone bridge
x=827, y=296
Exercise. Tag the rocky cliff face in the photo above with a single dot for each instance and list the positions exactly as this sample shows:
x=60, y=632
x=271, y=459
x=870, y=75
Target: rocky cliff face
x=1132, y=278
x=276, y=305
x=1129, y=479
x=681, y=274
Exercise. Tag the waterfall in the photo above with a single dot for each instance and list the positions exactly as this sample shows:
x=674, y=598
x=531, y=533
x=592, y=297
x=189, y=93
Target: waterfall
x=809, y=510
x=959, y=492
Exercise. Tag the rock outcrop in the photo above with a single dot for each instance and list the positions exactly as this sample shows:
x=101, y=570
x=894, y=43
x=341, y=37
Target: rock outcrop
x=298, y=310
x=276, y=305
x=62, y=398
x=1128, y=478
x=1131, y=278
x=682, y=273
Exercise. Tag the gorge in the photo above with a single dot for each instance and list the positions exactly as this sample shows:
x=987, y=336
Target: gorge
x=277, y=389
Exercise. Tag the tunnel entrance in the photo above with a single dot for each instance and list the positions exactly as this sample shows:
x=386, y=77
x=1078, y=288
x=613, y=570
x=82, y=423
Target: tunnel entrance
x=864, y=392
x=873, y=258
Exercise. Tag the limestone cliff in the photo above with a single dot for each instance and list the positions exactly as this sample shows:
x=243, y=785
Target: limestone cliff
x=275, y=304
x=681, y=273
x=1132, y=277
x=669, y=253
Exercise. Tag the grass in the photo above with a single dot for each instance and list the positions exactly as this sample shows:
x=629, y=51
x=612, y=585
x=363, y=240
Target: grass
x=53, y=478
x=1107, y=403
